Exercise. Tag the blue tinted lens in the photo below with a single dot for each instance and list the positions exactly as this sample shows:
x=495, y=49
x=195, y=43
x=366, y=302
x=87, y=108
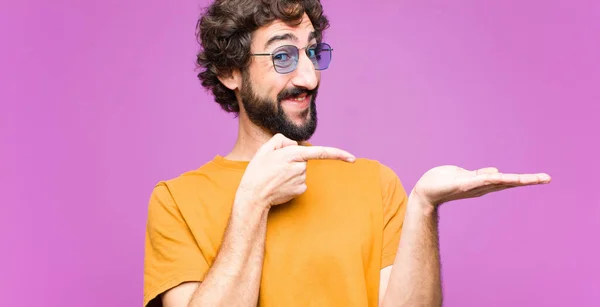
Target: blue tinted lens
x=285, y=59
x=320, y=55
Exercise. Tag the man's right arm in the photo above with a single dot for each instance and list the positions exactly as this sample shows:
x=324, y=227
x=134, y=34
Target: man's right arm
x=234, y=278
x=275, y=175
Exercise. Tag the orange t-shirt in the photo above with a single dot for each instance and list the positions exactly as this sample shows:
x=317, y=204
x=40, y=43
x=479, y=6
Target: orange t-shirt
x=324, y=248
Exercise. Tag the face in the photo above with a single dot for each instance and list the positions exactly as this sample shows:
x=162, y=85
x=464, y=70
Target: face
x=282, y=102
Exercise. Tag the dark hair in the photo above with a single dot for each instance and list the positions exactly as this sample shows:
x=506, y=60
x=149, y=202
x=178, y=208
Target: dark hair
x=225, y=34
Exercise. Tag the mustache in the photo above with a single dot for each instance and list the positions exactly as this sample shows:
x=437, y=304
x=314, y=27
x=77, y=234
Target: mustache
x=295, y=91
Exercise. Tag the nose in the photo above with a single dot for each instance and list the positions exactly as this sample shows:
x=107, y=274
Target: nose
x=306, y=75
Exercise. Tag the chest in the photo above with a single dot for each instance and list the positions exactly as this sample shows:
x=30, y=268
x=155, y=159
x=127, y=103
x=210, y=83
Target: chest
x=338, y=218
x=321, y=243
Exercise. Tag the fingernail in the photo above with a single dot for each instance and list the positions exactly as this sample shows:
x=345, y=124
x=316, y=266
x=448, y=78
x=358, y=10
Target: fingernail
x=545, y=177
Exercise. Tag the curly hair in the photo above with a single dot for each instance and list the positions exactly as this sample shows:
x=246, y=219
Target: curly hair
x=225, y=34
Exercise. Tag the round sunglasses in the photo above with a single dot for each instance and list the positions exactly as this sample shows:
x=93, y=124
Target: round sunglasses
x=285, y=58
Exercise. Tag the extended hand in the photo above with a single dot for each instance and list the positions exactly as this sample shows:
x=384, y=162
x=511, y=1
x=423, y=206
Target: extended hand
x=447, y=183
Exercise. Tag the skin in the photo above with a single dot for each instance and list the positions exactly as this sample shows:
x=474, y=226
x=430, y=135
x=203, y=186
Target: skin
x=268, y=83
x=276, y=174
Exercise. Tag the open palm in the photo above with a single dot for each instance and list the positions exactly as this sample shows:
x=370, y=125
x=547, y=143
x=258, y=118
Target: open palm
x=447, y=183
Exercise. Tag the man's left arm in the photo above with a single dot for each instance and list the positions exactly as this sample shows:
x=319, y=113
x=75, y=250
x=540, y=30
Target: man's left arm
x=409, y=242
x=415, y=279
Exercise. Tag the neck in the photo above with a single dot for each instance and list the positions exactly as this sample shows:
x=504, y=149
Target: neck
x=250, y=137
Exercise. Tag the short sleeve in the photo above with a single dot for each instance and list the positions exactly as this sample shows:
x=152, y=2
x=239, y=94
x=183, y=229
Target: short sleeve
x=394, y=199
x=172, y=256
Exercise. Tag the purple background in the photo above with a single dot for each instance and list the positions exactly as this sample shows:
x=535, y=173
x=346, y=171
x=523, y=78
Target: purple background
x=100, y=101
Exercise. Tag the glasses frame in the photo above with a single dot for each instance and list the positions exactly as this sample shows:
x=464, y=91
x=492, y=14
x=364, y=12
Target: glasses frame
x=306, y=48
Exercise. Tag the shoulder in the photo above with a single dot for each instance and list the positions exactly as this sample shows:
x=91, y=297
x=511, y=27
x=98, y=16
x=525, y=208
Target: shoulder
x=386, y=174
x=197, y=179
x=378, y=173
x=364, y=171
x=187, y=187
x=362, y=166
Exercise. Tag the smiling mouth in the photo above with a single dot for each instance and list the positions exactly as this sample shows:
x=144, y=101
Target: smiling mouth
x=301, y=100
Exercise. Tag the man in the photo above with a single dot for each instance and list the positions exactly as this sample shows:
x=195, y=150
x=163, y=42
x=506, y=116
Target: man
x=277, y=221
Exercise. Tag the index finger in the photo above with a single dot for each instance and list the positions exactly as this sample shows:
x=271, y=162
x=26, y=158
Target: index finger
x=516, y=179
x=305, y=153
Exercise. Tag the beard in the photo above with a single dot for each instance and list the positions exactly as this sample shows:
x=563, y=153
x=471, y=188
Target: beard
x=269, y=115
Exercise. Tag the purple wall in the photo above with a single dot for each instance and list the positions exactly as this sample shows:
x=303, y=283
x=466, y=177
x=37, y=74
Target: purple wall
x=100, y=101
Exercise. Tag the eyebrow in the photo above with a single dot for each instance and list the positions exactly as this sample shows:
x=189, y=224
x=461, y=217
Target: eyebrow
x=287, y=36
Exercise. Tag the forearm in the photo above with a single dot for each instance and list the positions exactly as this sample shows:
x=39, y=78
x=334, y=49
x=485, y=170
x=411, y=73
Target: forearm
x=416, y=278
x=234, y=278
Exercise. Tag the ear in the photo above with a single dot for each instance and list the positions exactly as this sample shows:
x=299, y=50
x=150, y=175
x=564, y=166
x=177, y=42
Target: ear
x=233, y=80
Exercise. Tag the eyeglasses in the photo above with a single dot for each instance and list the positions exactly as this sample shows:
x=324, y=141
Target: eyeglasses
x=285, y=58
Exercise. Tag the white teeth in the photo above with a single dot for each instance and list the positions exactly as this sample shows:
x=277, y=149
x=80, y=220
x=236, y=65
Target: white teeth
x=299, y=98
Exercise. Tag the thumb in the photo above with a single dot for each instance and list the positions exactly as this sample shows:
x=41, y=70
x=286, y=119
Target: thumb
x=278, y=141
